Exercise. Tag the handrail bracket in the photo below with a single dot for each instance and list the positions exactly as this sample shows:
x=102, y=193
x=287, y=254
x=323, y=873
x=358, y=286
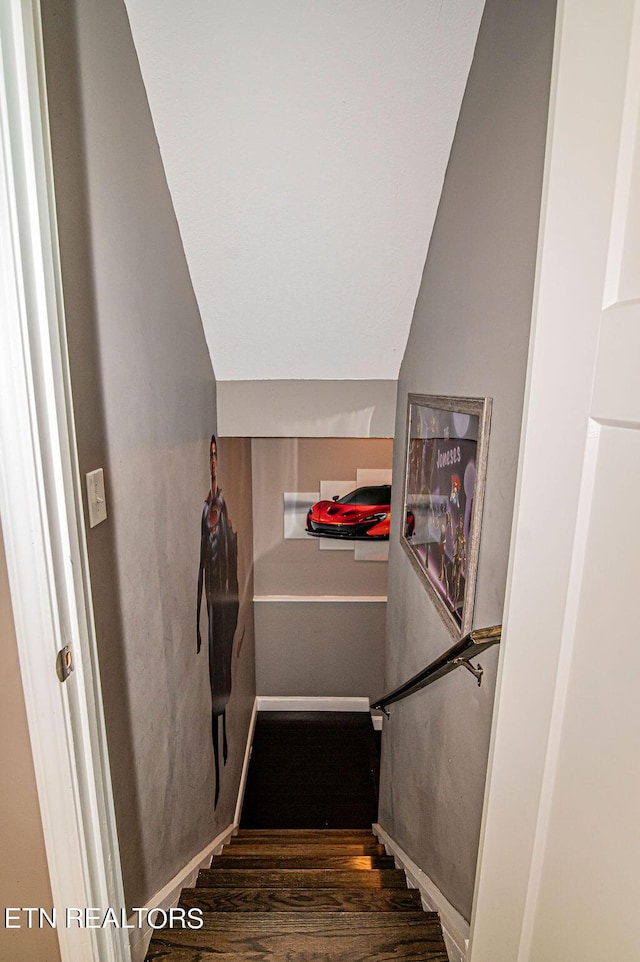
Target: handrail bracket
x=477, y=672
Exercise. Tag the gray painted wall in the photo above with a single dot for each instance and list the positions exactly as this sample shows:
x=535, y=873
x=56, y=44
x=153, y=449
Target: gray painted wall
x=299, y=409
x=144, y=398
x=320, y=648
x=310, y=647
x=469, y=337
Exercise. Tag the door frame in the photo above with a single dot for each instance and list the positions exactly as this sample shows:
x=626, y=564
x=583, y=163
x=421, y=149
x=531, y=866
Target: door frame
x=41, y=512
x=558, y=450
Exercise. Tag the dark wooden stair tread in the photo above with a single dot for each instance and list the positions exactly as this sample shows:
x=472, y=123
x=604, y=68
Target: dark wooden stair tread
x=301, y=900
x=306, y=834
x=302, y=878
x=309, y=937
x=309, y=812
x=324, y=849
x=362, y=863
x=305, y=880
x=303, y=896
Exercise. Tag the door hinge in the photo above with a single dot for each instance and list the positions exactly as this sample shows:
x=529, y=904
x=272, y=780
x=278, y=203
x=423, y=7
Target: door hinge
x=64, y=663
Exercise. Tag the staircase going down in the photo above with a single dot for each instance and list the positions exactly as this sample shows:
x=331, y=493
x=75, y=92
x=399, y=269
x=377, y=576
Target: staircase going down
x=303, y=896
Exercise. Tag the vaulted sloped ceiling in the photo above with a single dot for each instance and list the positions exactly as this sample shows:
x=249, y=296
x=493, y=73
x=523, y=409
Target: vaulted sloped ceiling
x=305, y=144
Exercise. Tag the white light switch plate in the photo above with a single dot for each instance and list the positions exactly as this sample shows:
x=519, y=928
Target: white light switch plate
x=95, y=497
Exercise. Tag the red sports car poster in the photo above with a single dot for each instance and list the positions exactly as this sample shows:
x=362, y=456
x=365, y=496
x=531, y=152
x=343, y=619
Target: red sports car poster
x=346, y=515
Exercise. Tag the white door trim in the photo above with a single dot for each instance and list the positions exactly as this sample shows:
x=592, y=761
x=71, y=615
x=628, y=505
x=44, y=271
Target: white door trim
x=40, y=507
x=557, y=453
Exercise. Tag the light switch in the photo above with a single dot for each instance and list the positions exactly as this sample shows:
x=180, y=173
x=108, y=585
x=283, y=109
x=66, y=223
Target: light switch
x=96, y=498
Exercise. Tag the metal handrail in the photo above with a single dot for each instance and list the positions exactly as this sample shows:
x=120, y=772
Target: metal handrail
x=458, y=656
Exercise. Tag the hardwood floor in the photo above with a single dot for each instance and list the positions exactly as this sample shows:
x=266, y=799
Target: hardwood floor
x=312, y=770
x=305, y=880
x=313, y=914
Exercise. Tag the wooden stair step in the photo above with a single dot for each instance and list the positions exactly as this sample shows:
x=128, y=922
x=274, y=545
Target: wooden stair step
x=308, y=812
x=325, y=849
x=312, y=831
x=283, y=780
x=301, y=900
x=307, y=737
x=329, y=720
x=304, y=937
x=308, y=834
x=300, y=745
x=279, y=782
x=301, y=878
x=361, y=863
x=298, y=759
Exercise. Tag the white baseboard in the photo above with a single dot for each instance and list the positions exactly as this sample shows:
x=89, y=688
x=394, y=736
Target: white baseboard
x=311, y=703
x=324, y=599
x=376, y=721
x=168, y=896
x=454, y=927
x=245, y=765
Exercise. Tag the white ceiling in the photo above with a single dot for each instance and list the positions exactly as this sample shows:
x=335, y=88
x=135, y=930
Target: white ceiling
x=305, y=144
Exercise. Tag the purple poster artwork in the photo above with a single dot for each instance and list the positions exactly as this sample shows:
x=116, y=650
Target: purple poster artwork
x=441, y=489
x=440, y=497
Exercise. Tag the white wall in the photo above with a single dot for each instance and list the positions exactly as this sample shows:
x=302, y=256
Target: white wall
x=305, y=144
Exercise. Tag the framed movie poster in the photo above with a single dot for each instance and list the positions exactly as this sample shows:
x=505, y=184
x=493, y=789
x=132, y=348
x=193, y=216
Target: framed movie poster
x=445, y=468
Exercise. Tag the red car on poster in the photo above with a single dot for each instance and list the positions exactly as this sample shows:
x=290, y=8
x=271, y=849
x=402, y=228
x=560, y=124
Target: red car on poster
x=363, y=514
